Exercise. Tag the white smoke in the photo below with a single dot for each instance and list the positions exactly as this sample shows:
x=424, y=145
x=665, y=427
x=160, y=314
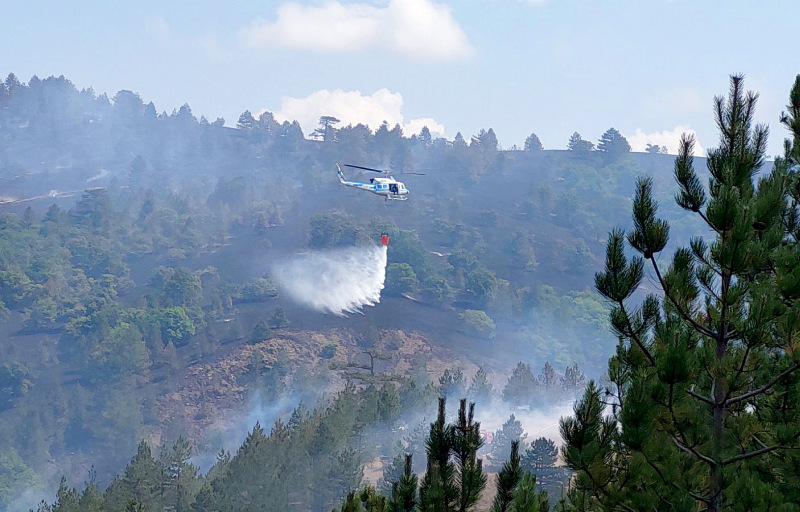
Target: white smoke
x=338, y=281
x=535, y=422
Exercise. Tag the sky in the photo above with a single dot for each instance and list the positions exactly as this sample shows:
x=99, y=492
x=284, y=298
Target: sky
x=648, y=68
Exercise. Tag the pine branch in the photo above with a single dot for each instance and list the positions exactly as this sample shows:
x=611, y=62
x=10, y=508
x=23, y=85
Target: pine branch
x=763, y=388
x=635, y=336
x=739, y=371
x=658, y=471
x=702, y=330
x=700, y=397
x=749, y=455
x=693, y=452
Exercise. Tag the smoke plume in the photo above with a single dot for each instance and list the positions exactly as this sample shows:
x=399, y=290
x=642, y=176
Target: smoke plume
x=339, y=281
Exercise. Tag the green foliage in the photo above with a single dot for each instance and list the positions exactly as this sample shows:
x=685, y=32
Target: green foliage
x=521, y=385
x=15, y=381
x=480, y=389
x=123, y=353
x=507, y=480
x=579, y=145
x=257, y=289
x=478, y=323
x=15, y=476
x=613, y=144
x=261, y=331
x=335, y=229
x=703, y=376
x=451, y=384
x=278, y=319
x=176, y=325
x=541, y=454
x=532, y=143
x=406, y=247
x=79, y=273
x=400, y=279
x=527, y=498
x=454, y=479
x=509, y=434
x=329, y=350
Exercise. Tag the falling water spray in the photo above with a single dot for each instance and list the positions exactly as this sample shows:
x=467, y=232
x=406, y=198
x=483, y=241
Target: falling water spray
x=338, y=281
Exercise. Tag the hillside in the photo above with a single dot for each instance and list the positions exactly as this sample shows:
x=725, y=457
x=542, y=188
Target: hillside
x=136, y=249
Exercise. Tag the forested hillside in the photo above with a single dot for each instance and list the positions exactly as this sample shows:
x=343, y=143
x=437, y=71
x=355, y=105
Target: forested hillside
x=137, y=307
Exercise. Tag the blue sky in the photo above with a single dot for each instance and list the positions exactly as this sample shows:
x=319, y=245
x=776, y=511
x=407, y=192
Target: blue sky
x=650, y=69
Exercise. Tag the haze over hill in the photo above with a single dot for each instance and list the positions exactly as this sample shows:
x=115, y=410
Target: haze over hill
x=155, y=280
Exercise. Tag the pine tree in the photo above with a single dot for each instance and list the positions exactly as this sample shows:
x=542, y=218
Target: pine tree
x=67, y=499
x=705, y=381
x=542, y=454
x=452, y=384
x=139, y=483
x=507, y=480
x=404, y=491
x=510, y=432
x=613, y=144
x=574, y=381
x=180, y=479
x=521, y=386
x=532, y=143
x=437, y=491
x=527, y=498
x=579, y=145
x=480, y=389
x=548, y=378
x=467, y=440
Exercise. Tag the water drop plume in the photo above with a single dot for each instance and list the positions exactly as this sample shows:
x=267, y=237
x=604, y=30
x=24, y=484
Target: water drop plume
x=337, y=281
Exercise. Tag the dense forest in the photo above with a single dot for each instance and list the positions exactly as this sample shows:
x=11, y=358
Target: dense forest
x=141, y=327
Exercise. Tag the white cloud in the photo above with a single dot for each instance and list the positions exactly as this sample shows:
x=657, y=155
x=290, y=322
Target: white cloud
x=352, y=107
x=669, y=138
x=418, y=29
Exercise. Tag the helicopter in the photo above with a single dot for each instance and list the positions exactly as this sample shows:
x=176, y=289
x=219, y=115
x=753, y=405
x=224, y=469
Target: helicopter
x=386, y=186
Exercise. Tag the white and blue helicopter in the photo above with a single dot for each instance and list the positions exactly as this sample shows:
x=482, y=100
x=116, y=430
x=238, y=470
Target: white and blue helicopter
x=386, y=186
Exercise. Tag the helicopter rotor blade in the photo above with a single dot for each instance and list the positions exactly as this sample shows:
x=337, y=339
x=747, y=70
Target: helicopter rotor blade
x=367, y=168
x=416, y=173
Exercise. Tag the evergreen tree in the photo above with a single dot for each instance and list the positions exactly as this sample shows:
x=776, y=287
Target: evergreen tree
x=470, y=479
x=548, y=378
x=579, y=145
x=67, y=499
x=91, y=500
x=527, y=498
x=437, y=490
x=613, y=144
x=521, y=386
x=532, y=143
x=541, y=454
x=511, y=432
x=278, y=318
x=452, y=384
x=574, y=381
x=138, y=484
x=507, y=480
x=404, y=491
x=480, y=389
x=705, y=381
x=180, y=480
x=246, y=121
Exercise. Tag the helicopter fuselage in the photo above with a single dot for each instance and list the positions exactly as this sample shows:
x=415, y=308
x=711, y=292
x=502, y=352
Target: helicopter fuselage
x=387, y=187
